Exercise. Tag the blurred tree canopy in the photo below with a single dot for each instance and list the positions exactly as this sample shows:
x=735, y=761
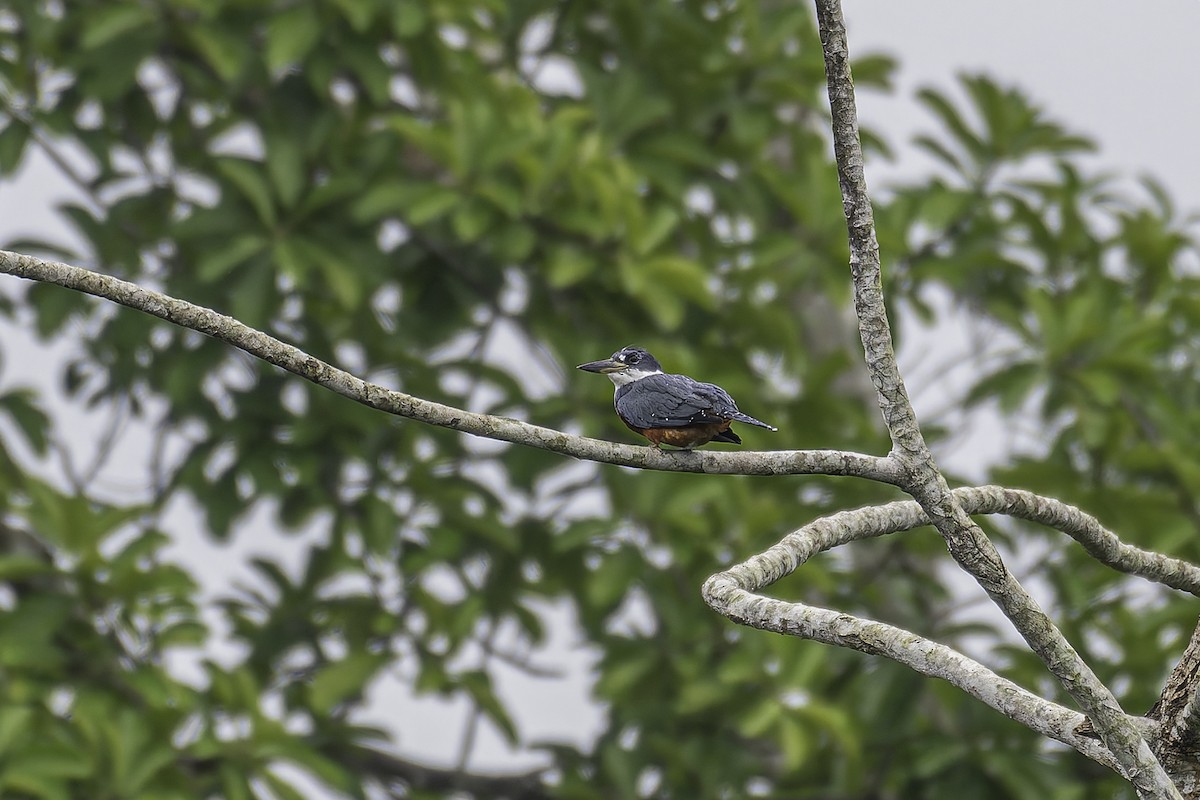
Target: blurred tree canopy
x=462, y=200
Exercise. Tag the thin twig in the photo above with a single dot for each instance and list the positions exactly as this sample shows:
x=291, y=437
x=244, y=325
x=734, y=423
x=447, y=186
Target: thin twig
x=107, y=443
x=475, y=716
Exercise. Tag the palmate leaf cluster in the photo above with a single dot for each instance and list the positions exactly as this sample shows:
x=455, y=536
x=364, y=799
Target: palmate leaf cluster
x=462, y=200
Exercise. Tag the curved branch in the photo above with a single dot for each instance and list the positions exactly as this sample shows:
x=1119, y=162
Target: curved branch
x=732, y=593
x=296, y=361
x=964, y=539
x=1100, y=543
x=727, y=596
x=904, y=515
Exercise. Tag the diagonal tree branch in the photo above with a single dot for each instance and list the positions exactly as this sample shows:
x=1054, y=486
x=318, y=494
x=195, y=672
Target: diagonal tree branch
x=296, y=361
x=966, y=542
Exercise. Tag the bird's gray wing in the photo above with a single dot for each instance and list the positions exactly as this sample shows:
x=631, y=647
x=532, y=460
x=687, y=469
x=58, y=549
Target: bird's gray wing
x=673, y=401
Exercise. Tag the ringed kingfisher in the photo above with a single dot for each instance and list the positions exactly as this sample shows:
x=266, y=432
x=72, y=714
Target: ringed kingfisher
x=671, y=409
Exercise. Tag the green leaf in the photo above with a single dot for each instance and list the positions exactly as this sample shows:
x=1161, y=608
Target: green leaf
x=472, y=219
x=345, y=282
x=761, y=718
x=311, y=761
x=1104, y=388
x=383, y=198
x=14, y=725
x=679, y=146
x=143, y=546
x=291, y=34
x=247, y=178
x=514, y=242
x=667, y=310
x=608, y=583
x=504, y=195
x=53, y=760
x=796, y=743
x=55, y=306
x=225, y=51
x=434, y=202
x=216, y=264
x=289, y=258
x=23, y=781
x=567, y=265
x=479, y=685
x=949, y=116
x=150, y=762
x=701, y=694
x=236, y=784
x=408, y=18
x=16, y=567
x=21, y=406
x=285, y=166
x=875, y=70
x=188, y=633
x=280, y=788
x=359, y=13
x=680, y=276
x=654, y=230
x=73, y=521
x=942, y=206
x=12, y=145
x=107, y=22
x=372, y=73
x=343, y=680
x=938, y=151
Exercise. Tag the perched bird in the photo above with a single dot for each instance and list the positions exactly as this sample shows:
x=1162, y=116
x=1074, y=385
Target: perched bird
x=671, y=409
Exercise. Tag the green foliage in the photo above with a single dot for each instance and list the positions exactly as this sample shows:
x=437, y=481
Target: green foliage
x=421, y=192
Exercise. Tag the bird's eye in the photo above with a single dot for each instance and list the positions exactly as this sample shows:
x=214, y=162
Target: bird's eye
x=634, y=358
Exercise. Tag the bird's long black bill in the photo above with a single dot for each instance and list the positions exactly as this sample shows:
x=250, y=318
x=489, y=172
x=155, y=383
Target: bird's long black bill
x=604, y=365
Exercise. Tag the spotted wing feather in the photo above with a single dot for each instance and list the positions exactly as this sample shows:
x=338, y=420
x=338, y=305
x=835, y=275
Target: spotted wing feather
x=674, y=401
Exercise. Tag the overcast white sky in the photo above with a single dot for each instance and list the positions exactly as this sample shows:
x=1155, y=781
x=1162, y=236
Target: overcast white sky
x=1123, y=73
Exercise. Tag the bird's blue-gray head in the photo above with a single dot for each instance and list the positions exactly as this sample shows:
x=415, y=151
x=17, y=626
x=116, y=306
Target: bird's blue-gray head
x=627, y=365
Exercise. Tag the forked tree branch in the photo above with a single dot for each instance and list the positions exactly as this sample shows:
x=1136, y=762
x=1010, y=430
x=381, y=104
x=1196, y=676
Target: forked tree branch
x=732, y=592
x=964, y=539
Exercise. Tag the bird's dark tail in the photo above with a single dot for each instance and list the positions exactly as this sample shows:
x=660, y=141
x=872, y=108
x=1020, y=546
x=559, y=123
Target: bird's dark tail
x=749, y=420
x=727, y=436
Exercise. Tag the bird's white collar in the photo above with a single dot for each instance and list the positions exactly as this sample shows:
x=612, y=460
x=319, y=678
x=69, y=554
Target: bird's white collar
x=630, y=375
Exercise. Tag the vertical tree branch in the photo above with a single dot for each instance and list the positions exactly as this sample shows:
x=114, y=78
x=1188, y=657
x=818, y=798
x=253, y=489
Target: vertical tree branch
x=964, y=539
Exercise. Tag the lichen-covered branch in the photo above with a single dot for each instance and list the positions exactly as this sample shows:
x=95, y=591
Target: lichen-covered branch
x=296, y=361
x=1101, y=543
x=964, y=539
x=732, y=592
